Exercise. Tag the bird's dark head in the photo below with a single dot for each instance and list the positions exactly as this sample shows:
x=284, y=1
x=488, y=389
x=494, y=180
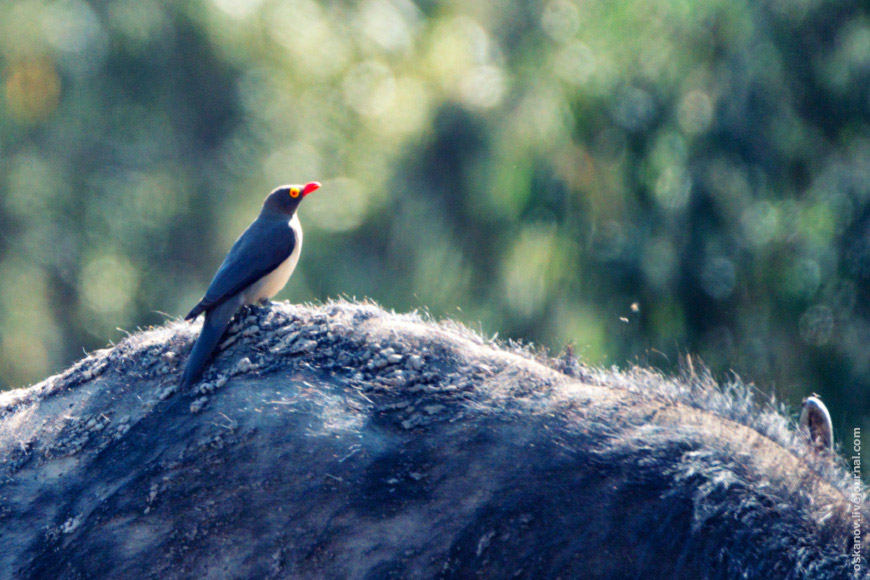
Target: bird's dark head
x=285, y=199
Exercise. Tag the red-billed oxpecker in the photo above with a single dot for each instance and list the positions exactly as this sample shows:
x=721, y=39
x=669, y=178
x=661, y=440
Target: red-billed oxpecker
x=257, y=267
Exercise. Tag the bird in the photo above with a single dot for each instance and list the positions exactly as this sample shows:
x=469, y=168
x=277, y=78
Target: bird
x=816, y=421
x=256, y=268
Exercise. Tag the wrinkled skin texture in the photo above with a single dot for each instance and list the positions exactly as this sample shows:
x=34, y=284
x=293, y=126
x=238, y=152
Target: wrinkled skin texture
x=342, y=441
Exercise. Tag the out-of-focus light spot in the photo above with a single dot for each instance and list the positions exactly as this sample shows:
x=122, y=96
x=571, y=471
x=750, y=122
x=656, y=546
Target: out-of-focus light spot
x=856, y=45
x=560, y=20
x=543, y=117
x=32, y=184
x=668, y=150
x=371, y=166
x=32, y=89
x=795, y=10
x=410, y=111
x=583, y=327
x=441, y=273
x=155, y=197
x=803, y=278
x=139, y=21
x=530, y=269
x=760, y=223
x=237, y=9
x=21, y=35
x=834, y=72
x=456, y=46
x=633, y=109
x=842, y=206
x=483, y=86
x=341, y=205
x=23, y=294
x=673, y=187
x=392, y=24
x=718, y=277
x=127, y=207
x=659, y=262
x=789, y=216
x=29, y=331
x=72, y=27
x=108, y=283
x=817, y=325
x=312, y=40
x=666, y=164
x=657, y=59
x=728, y=182
x=695, y=112
x=264, y=96
x=817, y=224
x=370, y=88
x=297, y=162
x=576, y=63
x=22, y=356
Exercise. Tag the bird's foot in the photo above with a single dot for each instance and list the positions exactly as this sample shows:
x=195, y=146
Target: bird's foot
x=254, y=309
x=261, y=305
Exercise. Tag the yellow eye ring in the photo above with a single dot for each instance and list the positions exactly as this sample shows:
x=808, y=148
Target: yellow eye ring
x=294, y=192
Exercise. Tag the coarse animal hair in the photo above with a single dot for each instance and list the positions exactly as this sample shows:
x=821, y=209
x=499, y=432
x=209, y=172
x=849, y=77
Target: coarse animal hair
x=343, y=440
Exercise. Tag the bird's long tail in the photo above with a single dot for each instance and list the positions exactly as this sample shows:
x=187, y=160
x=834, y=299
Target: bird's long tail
x=216, y=321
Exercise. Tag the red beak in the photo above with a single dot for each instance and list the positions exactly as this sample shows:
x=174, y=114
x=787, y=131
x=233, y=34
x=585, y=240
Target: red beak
x=309, y=188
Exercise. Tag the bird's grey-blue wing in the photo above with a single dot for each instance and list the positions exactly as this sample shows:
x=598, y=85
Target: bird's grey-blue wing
x=259, y=250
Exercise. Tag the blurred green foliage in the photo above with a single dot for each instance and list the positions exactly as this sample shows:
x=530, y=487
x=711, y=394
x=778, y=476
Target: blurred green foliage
x=641, y=179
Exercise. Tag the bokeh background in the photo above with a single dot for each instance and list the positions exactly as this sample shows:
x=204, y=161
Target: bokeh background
x=641, y=179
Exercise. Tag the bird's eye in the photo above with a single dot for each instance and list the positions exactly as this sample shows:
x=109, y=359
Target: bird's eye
x=294, y=192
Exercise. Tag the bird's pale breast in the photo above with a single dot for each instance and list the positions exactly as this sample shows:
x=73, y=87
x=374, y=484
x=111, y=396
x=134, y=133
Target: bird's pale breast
x=274, y=281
